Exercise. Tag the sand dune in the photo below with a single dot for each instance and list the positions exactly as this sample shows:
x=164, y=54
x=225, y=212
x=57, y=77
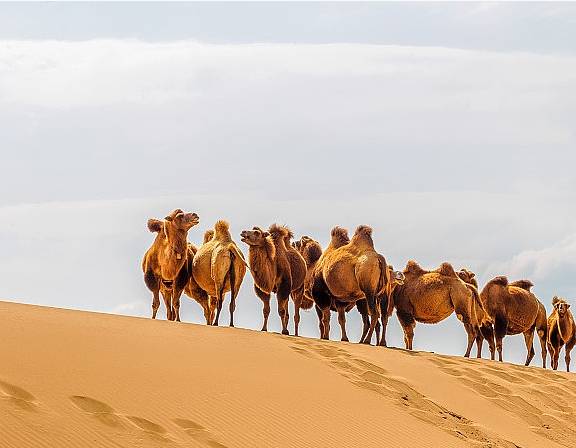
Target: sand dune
x=78, y=379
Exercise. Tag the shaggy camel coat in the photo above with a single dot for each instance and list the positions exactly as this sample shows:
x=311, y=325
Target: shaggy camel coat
x=347, y=274
x=514, y=309
x=561, y=332
x=165, y=266
x=218, y=267
x=274, y=270
x=431, y=296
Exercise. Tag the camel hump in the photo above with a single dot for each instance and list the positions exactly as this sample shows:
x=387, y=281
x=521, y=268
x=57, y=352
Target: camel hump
x=278, y=231
x=414, y=268
x=501, y=280
x=155, y=225
x=340, y=234
x=221, y=228
x=208, y=235
x=312, y=252
x=447, y=270
x=524, y=284
x=289, y=233
x=363, y=230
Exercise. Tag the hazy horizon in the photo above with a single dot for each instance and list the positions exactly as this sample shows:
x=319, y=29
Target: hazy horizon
x=446, y=127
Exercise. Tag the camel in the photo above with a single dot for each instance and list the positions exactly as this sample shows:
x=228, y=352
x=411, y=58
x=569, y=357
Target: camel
x=393, y=280
x=514, y=309
x=218, y=267
x=347, y=274
x=165, y=263
x=298, y=270
x=561, y=332
x=485, y=329
x=431, y=296
x=275, y=269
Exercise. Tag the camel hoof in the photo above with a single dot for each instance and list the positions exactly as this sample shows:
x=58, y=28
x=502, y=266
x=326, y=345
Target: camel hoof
x=366, y=342
x=285, y=332
x=231, y=325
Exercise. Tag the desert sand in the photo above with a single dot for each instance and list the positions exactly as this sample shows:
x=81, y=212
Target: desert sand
x=79, y=379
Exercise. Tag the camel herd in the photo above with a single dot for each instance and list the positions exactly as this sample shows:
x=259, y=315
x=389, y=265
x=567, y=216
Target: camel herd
x=348, y=274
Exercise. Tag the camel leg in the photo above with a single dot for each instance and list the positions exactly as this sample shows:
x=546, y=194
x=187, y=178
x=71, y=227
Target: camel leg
x=341, y=308
x=232, y=308
x=155, y=303
x=362, y=307
x=297, y=299
x=381, y=341
x=500, y=329
x=471, y=332
x=176, y=304
x=153, y=285
x=320, y=323
x=529, y=339
x=568, y=349
x=479, y=342
x=542, y=336
x=374, y=309
x=207, y=312
x=282, y=294
x=488, y=333
x=265, y=297
x=167, y=296
x=326, y=323
x=408, y=324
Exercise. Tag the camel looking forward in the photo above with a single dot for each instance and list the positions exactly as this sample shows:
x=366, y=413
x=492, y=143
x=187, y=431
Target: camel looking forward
x=219, y=267
x=165, y=263
x=561, y=332
x=274, y=270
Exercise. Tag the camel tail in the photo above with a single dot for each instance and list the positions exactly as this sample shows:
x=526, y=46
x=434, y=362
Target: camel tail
x=307, y=302
x=235, y=254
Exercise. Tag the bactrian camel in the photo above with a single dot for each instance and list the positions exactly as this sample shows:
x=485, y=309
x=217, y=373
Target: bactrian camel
x=274, y=270
x=431, y=296
x=514, y=309
x=561, y=332
x=219, y=267
x=347, y=274
x=165, y=266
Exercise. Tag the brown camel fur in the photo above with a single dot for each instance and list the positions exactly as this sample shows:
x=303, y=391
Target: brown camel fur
x=348, y=274
x=272, y=270
x=298, y=271
x=194, y=291
x=561, y=332
x=219, y=267
x=431, y=296
x=311, y=251
x=514, y=309
x=485, y=329
x=393, y=280
x=165, y=263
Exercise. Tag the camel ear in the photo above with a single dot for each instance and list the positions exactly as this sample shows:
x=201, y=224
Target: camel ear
x=154, y=225
x=265, y=234
x=567, y=305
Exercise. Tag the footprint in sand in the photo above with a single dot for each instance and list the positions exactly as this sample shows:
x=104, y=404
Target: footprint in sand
x=18, y=396
x=99, y=410
x=198, y=433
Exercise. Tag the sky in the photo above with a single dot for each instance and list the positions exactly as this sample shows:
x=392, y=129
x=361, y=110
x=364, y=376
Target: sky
x=447, y=127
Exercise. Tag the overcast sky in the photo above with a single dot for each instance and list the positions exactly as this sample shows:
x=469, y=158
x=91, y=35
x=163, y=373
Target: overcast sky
x=447, y=127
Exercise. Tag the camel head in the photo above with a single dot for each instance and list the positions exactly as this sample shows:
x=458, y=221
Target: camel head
x=560, y=305
x=254, y=237
x=468, y=277
x=174, y=230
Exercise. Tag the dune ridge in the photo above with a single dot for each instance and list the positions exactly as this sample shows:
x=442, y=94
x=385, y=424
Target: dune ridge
x=73, y=378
